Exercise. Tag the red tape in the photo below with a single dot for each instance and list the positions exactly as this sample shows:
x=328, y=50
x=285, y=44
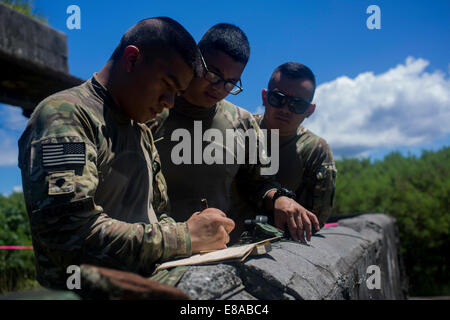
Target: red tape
x=329, y=225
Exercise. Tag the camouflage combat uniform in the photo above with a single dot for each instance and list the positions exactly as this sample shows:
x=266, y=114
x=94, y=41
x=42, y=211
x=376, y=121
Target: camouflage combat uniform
x=189, y=183
x=92, y=181
x=307, y=167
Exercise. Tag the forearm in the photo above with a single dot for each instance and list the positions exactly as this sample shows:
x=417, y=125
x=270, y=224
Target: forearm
x=268, y=200
x=95, y=238
x=138, y=245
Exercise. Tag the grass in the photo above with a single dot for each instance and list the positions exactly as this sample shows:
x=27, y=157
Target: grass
x=26, y=7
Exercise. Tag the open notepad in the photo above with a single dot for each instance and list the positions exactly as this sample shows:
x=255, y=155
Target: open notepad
x=238, y=253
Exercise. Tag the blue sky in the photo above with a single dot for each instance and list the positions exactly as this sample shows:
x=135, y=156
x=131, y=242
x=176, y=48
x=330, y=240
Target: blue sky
x=378, y=90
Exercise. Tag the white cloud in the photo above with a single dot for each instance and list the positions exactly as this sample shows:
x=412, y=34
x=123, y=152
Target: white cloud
x=14, y=189
x=12, y=123
x=404, y=106
x=12, y=118
x=259, y=110
x=8, y=149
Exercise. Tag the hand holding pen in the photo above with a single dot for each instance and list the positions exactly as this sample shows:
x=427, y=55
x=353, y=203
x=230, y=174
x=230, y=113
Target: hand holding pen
x=209, y=228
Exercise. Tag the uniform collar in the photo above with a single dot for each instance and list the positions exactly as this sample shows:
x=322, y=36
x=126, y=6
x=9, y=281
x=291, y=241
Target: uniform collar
x=187, y=109
x=119, y=115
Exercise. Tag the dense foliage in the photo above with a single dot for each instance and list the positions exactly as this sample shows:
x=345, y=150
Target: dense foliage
x=414, y=190
x=16, y=266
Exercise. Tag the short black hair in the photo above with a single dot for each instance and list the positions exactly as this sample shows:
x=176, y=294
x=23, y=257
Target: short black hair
x=161, y=33
x=227, y=38
x=293, y=70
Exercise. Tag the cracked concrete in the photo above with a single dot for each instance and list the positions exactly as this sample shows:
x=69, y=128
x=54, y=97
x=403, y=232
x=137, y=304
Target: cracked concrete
x=333, y=266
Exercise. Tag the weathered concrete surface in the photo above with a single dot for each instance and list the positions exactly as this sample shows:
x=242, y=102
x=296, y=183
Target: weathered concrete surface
x=33, y=60
x=27, y=38
x=333, y=266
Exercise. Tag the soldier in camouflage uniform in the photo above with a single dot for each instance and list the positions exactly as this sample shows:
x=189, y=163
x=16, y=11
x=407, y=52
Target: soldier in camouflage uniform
x=306, y=161
x=226, y=50
x=91, y=173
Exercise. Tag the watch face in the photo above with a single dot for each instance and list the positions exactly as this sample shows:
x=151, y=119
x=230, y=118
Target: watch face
x=288, y=193
x=283, y=192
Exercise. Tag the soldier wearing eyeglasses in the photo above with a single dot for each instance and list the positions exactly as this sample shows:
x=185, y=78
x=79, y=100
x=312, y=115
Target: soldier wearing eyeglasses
x=306, y=160
x=90, y=170
x=226, y=51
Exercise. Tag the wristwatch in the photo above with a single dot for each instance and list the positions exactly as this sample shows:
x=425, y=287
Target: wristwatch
x=283, y=192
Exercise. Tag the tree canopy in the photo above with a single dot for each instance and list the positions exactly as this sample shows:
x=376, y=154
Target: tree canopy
x=415, y=191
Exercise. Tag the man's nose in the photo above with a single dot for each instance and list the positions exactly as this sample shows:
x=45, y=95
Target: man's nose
x=218, y=86
x=285, y=107
x=167, y=100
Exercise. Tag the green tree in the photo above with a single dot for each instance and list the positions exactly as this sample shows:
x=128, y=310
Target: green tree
x=16, y=266
x=415, y=191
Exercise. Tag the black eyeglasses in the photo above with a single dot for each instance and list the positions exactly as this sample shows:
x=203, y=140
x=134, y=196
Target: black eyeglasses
x=214, y=78
x=278, y=100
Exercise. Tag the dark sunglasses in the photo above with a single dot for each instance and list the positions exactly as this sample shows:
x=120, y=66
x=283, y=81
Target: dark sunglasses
x=278, y=100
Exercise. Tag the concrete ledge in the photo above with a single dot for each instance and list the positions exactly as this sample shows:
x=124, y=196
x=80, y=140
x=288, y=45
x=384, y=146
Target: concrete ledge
x=333, y=266
x=26, y=38
x=33, y=60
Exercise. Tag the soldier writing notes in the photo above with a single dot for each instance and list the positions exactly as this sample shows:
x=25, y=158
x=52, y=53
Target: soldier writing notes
x=91, y=173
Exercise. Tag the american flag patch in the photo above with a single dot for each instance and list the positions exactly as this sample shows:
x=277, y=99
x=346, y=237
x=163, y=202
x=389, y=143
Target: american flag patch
x=59, y=154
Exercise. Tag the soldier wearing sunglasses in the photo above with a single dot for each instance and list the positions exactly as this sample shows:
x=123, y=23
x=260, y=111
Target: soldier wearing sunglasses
x=306, y=161
x=226, y=50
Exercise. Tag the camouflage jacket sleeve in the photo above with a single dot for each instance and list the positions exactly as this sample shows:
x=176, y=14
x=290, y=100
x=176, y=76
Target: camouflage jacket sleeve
x=67, y=226
x=316, y=192
x=161, y=203
x=161, y=200
x=253, y=178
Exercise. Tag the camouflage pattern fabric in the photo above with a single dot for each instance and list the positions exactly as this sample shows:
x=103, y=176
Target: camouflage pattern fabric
x=189, y=183
x=99, y=283
x=169, y=277
x=307, y=167
x=92, y=181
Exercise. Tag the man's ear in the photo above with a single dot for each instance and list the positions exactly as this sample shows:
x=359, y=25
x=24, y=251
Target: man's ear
x=264, y=96
x=310, y=110
x=130, y=57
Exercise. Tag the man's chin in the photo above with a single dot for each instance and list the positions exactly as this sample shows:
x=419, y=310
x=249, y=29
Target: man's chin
x=209, y=100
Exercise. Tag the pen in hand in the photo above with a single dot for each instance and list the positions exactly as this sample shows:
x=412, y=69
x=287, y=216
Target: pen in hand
x=204, y=204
